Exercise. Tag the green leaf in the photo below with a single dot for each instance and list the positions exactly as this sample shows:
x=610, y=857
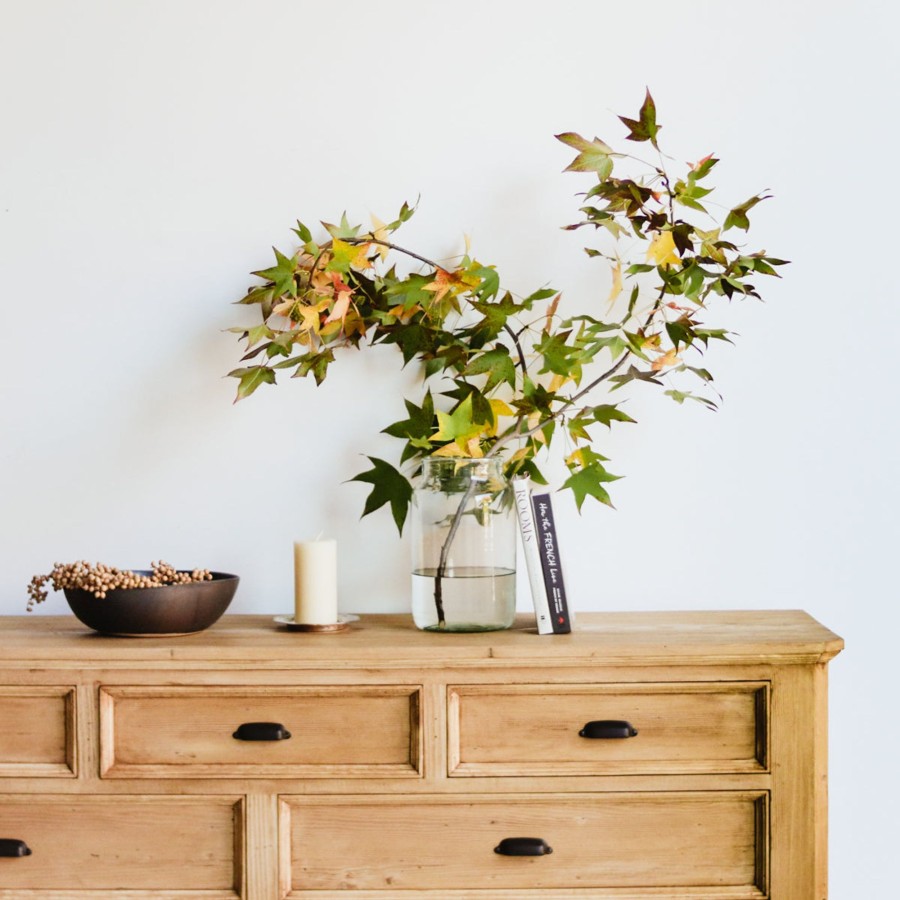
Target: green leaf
x=251, y=378
x=607, y=413
x=497, y=364
x=593, y=156
x=342, y=231
x=588, y=482
x=281, y=275
x=738, y=218
x=559, y=357
x=317, y=363
x=302, y=232
x=633, y=374
x=495, y=316
x=257, y=295
x=490, y=281
x=458, y=424
x=389, y=486
x=258, y=333
x=680, y=396
x=420, y=423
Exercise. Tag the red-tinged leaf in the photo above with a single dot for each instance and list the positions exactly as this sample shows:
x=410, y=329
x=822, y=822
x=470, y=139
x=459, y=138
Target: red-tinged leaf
x=644, y=128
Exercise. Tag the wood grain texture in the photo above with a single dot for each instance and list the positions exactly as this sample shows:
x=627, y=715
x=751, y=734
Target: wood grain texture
x=134, y=843
x=534, y=729
x=608, y=841
x=37, y=731
x=160, y=732
x=642, y=638
x=417, y=754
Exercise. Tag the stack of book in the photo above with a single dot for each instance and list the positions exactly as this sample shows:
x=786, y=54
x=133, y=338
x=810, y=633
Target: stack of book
x=540, y=544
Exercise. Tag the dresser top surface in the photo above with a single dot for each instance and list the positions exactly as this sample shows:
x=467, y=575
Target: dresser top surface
x=636, y=638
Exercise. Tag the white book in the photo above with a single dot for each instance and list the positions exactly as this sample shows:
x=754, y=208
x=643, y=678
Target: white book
x=531, y=552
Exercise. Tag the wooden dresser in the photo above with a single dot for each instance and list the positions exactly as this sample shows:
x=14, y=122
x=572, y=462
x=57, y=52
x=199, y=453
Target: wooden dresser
x=643, y=756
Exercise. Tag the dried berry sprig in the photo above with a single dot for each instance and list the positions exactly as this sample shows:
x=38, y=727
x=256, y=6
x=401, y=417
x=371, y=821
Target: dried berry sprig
x=99, y=579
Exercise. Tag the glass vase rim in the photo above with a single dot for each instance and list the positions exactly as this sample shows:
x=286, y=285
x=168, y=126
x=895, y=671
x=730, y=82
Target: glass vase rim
x=432, y=463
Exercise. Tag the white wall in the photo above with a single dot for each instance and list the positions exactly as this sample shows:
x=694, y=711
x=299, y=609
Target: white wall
x=153, y=151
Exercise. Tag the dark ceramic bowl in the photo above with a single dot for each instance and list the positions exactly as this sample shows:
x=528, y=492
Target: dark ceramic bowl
x=173, y=609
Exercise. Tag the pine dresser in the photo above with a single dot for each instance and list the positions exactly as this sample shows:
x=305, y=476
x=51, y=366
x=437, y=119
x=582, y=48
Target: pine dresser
x=644, y=756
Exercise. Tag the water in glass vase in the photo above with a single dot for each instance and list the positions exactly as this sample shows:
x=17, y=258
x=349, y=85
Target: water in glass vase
x=474, y=598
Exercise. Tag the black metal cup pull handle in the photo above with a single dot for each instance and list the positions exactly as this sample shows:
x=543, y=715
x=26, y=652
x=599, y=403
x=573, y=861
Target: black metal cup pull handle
x=608, y=729
x=523, y=846
x=14, y=847
x=262, y=731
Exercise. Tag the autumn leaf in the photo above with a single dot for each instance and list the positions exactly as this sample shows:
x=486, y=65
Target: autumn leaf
x=662, y=250
x=339, y=310
x=644, y=128
x=380, y=233
x=669, y=358
x=551, y=312
x=616, y=288
x=345, y=257
x=452, y=283
x=389, y=486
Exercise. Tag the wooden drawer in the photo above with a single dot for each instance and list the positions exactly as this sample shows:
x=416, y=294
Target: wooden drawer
x=185, y=732
x=37, y=732
x=145, y=844
x=533, y=729
x=711, y=844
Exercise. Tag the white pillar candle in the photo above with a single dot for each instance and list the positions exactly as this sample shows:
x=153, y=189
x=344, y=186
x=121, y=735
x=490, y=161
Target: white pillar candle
x=315, y=582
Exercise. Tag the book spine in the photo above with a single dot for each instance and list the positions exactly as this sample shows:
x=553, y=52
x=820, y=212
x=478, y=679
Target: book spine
x=548, y=544
x=531, y=552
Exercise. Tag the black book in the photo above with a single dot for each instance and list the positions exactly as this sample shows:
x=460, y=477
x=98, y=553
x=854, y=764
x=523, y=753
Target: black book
x=548, y=548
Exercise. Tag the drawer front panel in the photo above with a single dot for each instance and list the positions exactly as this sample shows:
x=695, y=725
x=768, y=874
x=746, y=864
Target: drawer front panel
x=37, y=731
x=183, y=732
x=682, y=728
x=123, y=843
x=712, y=842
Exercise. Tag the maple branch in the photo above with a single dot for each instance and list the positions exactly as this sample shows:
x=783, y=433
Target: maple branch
x=515, y=338
x=397, y=247
x=513, y=435
x=445, y=548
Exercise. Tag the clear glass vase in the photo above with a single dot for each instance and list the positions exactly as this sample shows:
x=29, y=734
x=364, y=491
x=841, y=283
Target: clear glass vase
x=463, y=546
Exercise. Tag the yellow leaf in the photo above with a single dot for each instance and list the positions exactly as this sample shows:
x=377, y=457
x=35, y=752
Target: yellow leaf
x=453, y=449
x=617, y=282
x=501, y=409
x=354, y=254
x=551, y=312
x=662, y=250
x=669, y=358
x=576, y=458
x=557, y=381
x=311, y=316
x=521, y=453
x=473, y=448
x=380, y=233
